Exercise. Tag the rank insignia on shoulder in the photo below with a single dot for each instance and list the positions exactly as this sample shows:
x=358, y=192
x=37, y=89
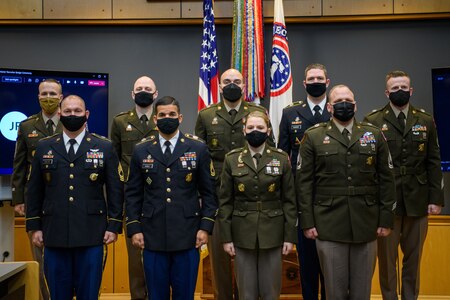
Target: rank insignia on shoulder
x=241, y=187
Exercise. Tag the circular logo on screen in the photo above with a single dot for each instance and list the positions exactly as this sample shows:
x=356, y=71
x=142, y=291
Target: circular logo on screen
x=10, y=124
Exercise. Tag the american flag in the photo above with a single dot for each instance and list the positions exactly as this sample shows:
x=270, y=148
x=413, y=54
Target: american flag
x=208, y=86
x=280, y=70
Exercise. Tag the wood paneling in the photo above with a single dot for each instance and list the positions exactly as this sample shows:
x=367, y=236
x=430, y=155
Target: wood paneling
x=21, y=9
x=421, y=6
x=140, y=9
x=79, y=9
x=356, y=7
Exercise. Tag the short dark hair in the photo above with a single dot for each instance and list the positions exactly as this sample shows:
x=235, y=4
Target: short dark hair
x=167, y=100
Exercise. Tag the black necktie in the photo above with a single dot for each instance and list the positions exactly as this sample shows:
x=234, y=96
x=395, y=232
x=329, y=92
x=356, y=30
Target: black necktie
x=72, y=149
x=50, y=126
x=144, y=121
x=167, y=152
x=317, y=113
x=257, y=157
x=346, y=135
x=401, y=120
x=233, y=113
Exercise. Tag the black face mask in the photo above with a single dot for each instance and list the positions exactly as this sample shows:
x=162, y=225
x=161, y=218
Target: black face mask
x=168, y=125
x=316, y=89
x=143, y=99
x=344, y=111
x=256, y=138
x=232, y=92
x=73, y=123
x=399, y=98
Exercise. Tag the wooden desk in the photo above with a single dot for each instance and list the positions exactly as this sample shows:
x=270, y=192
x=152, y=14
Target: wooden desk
x=19, y=280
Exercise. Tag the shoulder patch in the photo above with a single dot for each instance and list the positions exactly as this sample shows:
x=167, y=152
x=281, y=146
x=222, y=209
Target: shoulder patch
x=101, y=137
x=368, y=124
x=147, y=139
x=194, y=137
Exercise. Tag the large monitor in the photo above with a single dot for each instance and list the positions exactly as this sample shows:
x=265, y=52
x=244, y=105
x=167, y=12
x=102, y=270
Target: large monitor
x=441, y=108
x=19, y=100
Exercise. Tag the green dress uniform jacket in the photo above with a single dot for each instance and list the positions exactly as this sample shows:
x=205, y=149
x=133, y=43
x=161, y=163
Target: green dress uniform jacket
x=30, y=132
x=257, y=207
x=66, y=197
x=126, y=131
x=222, y=135
x=416, y=158
x=345, y=188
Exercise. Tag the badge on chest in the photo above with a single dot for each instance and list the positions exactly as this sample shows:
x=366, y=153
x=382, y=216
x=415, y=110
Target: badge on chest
x=189, y=160
x=94, y=159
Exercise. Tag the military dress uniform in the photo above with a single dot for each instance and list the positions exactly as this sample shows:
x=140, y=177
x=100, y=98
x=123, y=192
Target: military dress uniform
x=126, y=131
x=222, y=133
x=296, y=119
x=65, y=200
x=418, y=176
x=31, y=130
x=162, y=202
x=345, y=189
x=258, y=213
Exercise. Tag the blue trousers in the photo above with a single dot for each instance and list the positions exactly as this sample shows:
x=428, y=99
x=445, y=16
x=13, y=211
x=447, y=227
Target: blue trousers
x=309, y=268
x=74, y=271
x=176, y=270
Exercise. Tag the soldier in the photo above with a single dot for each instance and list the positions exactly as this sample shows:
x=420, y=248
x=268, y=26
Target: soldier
x=220, y=125
x=66, y=210
x=164, y=215
x=413, y=143
x=258, y=211
x=129, y=128
x=296, y=118
x=43, y=124
x=346, y=194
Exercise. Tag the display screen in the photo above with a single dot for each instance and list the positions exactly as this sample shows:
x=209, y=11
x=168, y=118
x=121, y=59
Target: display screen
x=441, y=107
x=19, y=100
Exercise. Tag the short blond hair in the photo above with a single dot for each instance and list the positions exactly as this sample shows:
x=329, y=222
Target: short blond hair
x=258, y=114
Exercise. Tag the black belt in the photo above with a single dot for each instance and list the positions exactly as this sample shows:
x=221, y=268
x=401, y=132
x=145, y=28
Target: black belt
x=403, y=170
x=258, y=205
x=347, y=191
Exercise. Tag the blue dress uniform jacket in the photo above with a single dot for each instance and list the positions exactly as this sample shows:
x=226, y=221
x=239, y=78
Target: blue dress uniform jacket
x=416, y=157
x=345, y=189
x=258, y=209
x=162, y=197
x=65, y=198
x=31, y=130
x=296, y=118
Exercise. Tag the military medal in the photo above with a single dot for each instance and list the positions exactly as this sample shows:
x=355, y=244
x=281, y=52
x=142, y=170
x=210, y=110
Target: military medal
x=326, y=139
x=93, y=176
x=271, y=188
x=241, y=187
x=189, y=177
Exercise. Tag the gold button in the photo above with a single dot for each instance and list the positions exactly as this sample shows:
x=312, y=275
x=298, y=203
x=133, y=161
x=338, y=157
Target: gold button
x=168, y=170
x=168, y=190
x=72, y=165
x=71, y=176
x=71, y=187
x=70, y=199
x=168, y=179
x=169, y=200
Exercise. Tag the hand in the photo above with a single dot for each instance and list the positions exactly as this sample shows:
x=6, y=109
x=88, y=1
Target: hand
x=20, y=209
x=202, y=238
x=229, y=248
x=287, y=248
x=37, y=238
x=110, y=237
x=434, y=209
x=311, y=233
x=138, y=240
x=382, y=231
